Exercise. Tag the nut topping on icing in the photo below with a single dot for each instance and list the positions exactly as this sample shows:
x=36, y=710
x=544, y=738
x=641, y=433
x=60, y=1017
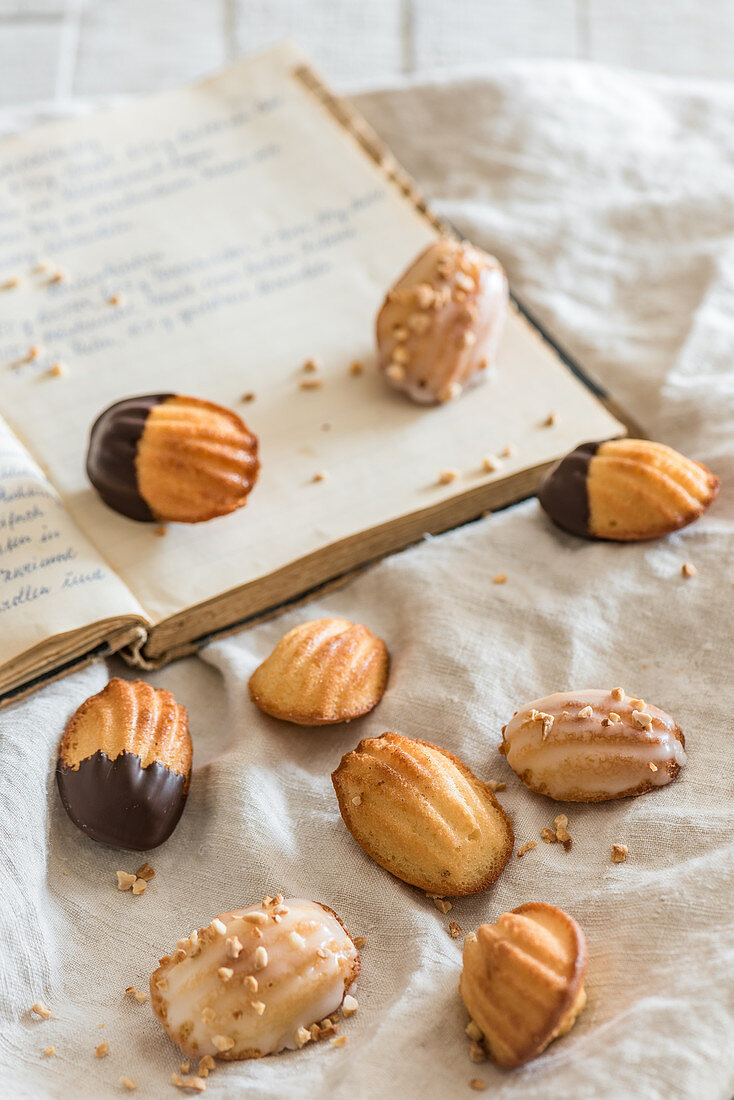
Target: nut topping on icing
x=210, y=1003
x=601, y=745
x=440, y=325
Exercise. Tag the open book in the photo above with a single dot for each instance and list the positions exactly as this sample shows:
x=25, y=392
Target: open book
x=208, y=241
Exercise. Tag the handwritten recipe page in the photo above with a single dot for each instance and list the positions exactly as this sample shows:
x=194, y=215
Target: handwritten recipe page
x=208, y=241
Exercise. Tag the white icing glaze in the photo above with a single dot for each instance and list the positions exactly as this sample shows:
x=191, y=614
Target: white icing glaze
x=580, y=758
x=302, y=962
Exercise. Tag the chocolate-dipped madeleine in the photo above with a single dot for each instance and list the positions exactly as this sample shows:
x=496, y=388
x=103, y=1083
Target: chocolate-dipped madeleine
x=626, y=490
x=124, y=765
x=440, y=325
x=163, y=457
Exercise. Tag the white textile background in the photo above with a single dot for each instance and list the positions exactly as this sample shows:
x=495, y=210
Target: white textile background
x=610, y=199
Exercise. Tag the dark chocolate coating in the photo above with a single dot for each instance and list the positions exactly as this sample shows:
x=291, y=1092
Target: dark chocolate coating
x=121, y=803
x=113, y=445
x=564, y=491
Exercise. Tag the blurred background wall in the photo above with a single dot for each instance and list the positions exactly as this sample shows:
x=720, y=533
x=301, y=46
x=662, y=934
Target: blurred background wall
x=52, y=49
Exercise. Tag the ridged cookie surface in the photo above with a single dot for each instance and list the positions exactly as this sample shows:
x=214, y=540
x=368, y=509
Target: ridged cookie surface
x=522, y=980
x=166, y=457
x=593, y=745
x=321, y=672
x=124, y=765
x=420, y=813
x=440, y=325
x=626, y=490
x=255, y=980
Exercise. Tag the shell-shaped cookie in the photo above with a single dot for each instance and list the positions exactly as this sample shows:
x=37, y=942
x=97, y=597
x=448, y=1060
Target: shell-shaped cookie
x=522, y=980
x=165, y=457
x=124, y=765
x=255, y=980
x=420, y=813
x=321, y=672
x=626, y=490
x=440, y=325
x=593, y=745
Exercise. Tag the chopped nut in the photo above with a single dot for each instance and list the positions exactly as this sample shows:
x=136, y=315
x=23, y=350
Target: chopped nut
x=124, y=880
x=418, y=322
x=196, y=1084
x=259, y=1007
x=41, y=1010
x=548, y=836
x=425, y=295
x=129, y=1083
x=206, y=1064
x=586, y=712
x=311, y=383
x=619, y=853
x=499, y=578
x=350, y=1005
x=33, y=353
x=495, y=785
x=356, y=367
x=400, y=355
x=474, y=1032
x=688, y=569
x=114, y=300
x=247, y=397
x=447, y=476
x=614, y=717
x=359, y=942
x=526, y=848
x=508, y=451
x=222, y=1043
x=310, y=366
x=477, y=1053
x=560, y=822
x=642, y=720
x=224, y=973
x=49, y=1051
x=302, y=1036
x=261, y=958
x=10, y=284
x=253, y=918
x=102, y=1050
x=651, y=766
x=442, y=904
x=218, y=926
x=357, y=800
x=58, y=277
x=321, y=476
x=185, y=1067
x=477, y=1084
x=145, y=872
x=395, y=372
x=637, y=704
x=139, y=886
x=138, y=994
x=160, y=531
x=618, y=694
x=252, y=983
x=490, y=464
x=339, y=1041
x=551, y=419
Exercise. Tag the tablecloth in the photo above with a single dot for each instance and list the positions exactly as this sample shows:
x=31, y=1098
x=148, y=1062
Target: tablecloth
x=610, y=199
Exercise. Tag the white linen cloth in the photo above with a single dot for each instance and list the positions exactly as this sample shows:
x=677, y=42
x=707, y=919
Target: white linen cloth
x=609, y=198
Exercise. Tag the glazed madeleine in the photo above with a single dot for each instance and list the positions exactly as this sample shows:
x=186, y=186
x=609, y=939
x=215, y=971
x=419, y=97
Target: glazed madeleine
x=420, y=813
x=255, y=981
x=626, y=490
x=124, y=765
x=322, y=672
x=593, y=745
x=440, y=326
x=163, y=457
x=522, y=980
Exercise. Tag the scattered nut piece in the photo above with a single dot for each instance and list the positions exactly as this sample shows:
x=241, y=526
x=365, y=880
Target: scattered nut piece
x=688, y=569
x=349, y=1006
x=356, y=367
x=139, y=886
x=160, y=531
x=455, y=930
x=224, y=973
x=490, y=464
x=442, y=904
x=146, y=872
x=114, y=300
x=474, y=1031
x=310, y=366
x=102, y=1050
x=619, y=853
x=41, y=1010
x=338, y=1041
x=618, y=694
x=321, y=476
x=59, y=277
x=477, y=1084
x=526, y=848
x=247, y=397
x=508, y=451
x=499, y=578
x=495, y=785
x=448, y=475
x=477, y=1053
x=49, y=1051
x=138, y=994
x=302, y=1036
x=548, y=836
x=129, y=1083
x=218, y=926
x=642, y=720
x=125, y=880
x=551, y=419
x=261, y=958
x=311, y=383
x=359, y=941
x=185, y=1067
x=10, y=284
x=206, y=1065
x=223, y=1043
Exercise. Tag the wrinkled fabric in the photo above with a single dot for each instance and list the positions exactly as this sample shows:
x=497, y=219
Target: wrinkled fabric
x=610, y=200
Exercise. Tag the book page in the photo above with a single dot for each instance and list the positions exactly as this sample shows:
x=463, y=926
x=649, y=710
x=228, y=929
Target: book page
x=52, y=581
x=208, y=241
